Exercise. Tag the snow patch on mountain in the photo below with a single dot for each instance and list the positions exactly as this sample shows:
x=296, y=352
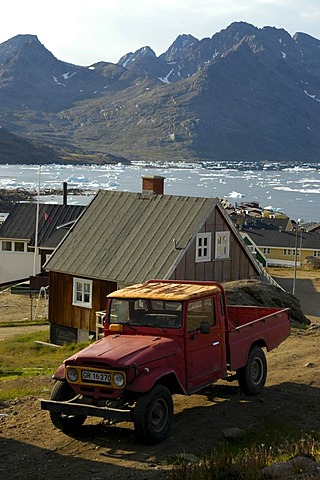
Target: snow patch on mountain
x=166, y=79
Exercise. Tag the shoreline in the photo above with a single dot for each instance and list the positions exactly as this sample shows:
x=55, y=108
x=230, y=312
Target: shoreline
x=9, y=197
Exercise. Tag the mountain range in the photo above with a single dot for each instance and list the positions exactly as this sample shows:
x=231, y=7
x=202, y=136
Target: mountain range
x=246, y=94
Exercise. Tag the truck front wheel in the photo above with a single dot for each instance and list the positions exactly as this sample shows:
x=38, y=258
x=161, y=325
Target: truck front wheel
x=252, y=377
x=153, y=415
x=67, y=423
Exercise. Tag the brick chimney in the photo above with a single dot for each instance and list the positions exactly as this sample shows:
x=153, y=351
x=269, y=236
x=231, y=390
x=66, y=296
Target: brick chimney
x=153, y=184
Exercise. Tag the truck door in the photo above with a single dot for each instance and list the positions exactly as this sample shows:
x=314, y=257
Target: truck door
x=203, y=350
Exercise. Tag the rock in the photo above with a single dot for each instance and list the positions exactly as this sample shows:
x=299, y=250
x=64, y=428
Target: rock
x=314, y=326
x=233, y=433
x=291, y=468
x=189, y=457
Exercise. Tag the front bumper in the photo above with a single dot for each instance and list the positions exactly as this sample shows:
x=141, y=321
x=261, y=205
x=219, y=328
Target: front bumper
x=70, y=408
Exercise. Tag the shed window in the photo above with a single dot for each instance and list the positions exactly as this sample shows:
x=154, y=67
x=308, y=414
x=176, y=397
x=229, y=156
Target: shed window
x=82, y=292
x=18, y=246
x=203, y=247
x=6, y=246
x=222, y=244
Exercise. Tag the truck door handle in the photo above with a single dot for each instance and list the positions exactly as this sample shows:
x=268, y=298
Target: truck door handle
x=215, y=344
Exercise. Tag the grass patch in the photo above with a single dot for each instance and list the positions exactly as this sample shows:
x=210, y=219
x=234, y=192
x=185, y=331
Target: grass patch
x=25, y=323
x=237, y=461
x=26, y=366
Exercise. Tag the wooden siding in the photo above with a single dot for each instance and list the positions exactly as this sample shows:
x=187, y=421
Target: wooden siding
x=236, y=267
x=277, y=253
x=61, y=310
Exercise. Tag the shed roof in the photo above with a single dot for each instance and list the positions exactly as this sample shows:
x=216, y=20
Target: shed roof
x=130, y=237
x=21, y=222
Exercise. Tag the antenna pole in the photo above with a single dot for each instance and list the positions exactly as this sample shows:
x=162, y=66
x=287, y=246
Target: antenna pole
x=37, y=226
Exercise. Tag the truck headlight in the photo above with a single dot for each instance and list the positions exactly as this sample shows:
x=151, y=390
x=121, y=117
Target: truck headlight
x=72, y=374
x=118, y=379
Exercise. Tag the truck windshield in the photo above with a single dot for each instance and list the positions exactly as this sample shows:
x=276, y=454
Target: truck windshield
x=146, y=312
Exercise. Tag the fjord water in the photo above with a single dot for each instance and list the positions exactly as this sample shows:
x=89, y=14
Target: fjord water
x=294, y=191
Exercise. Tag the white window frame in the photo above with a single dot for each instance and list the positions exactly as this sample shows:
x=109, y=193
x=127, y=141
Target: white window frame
x=225, y=245
x=84, y=290
x=16, y=243
x=203, y=247
x=7, y=242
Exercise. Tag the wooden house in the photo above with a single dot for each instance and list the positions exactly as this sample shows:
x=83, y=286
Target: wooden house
x=18, y=259
x=124, y=238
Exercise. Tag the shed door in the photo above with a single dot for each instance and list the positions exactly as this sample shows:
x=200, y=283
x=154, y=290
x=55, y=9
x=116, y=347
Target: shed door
x=203, y=350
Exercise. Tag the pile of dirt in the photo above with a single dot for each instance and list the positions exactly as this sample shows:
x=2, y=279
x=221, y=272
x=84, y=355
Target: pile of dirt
x=310, y=263
x=262, y=294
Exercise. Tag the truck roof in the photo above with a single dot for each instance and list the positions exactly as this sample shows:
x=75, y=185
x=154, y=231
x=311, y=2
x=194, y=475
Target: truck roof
x=158, y=290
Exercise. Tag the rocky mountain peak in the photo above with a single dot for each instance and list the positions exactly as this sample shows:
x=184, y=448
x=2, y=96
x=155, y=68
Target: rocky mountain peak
x=178, y=47
x=21, y=45
x=131, y=57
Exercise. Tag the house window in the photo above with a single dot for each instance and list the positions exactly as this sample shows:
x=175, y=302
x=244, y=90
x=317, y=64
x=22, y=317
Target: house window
x=222, y=244
x=82, y=292
x=18, y=246
x=203, y=247
x=266, y=251
x=316, y=253
x=6, y=246
x=286, y=251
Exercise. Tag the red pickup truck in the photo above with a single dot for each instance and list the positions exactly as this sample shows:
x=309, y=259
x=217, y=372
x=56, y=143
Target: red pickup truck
x=160, y=338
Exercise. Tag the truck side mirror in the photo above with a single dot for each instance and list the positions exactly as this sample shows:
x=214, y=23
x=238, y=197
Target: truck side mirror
x=204, y=327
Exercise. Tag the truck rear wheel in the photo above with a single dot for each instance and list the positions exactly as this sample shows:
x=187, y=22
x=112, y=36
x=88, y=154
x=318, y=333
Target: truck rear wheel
x=153, y=415
x=67, y=423
x=252, y=377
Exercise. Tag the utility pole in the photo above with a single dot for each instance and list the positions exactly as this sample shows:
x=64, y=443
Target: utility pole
x=296, y=255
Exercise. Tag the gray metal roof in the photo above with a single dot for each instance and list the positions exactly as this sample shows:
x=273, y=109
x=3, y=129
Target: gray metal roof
x=21, y=222
x=129, y=237
x=274, y=238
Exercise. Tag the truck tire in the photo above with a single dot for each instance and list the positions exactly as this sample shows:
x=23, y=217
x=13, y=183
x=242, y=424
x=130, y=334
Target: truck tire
x=67, y=423
x=153, y=415
x=252, y=377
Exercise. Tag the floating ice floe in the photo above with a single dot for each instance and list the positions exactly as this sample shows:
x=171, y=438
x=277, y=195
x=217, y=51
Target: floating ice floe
x=234, y=194
x=8, y=183
x=299, y=169
x=77, y=180
x=112, y=185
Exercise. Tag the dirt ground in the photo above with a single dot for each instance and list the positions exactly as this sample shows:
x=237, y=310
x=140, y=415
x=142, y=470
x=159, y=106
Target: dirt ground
x=31, y=448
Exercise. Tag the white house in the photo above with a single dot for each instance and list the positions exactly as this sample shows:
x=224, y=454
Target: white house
x=18, y=260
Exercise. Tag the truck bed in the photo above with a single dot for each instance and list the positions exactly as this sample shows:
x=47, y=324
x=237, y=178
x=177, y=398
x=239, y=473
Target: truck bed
x=265, y=326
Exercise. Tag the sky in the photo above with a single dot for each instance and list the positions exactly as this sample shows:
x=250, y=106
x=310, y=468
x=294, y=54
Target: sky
x=83, y=32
